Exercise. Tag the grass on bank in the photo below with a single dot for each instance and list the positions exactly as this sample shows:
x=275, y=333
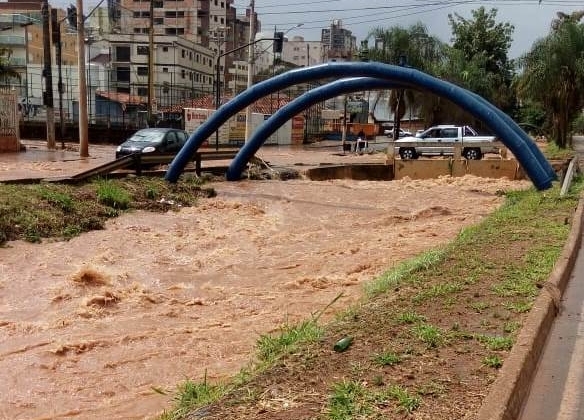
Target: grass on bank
x=54, y=210
x=429, y=334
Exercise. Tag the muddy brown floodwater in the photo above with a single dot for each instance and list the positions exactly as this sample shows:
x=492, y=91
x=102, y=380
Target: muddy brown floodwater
x=89, y=326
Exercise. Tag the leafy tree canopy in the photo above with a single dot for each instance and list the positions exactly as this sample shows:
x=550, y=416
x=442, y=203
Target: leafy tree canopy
x=483, y=36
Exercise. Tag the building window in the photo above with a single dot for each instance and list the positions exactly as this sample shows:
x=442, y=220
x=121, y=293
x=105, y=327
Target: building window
x=137, y=30
x=164, y=69
x=180, y=31
x=183, y=53
x=223, y=5
x=222, y=21
x=123, y=74
x=182, y=74
x=159, y=21
x=123, y=54
x=142, y=50
x=158, y=4
x=142, y=71
x=164, y=49
x=142, y=91
x=170, y=31
x=174, y=14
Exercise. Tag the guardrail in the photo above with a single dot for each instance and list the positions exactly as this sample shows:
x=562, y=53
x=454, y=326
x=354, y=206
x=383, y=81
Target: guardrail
x=137, y=161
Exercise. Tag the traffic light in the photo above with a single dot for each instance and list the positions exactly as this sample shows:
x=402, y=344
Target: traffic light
x=72, y=16
x=278, y=41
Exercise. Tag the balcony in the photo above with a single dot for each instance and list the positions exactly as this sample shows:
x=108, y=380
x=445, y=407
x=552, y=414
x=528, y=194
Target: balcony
x=12, y=40
x=17, y=61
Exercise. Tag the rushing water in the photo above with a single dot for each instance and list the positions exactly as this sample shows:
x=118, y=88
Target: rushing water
x=90, y=326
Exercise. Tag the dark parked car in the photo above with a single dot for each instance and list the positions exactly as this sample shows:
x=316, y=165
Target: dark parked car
x=153, y=141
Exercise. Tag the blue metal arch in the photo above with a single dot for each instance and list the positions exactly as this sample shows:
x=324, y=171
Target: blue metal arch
x=296, y=106
x=537, y=167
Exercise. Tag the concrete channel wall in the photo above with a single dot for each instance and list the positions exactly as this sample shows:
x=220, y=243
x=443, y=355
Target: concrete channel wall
x=420, y=169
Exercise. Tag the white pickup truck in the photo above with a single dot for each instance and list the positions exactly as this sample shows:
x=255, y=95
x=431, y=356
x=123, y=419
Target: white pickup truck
x=441, y=140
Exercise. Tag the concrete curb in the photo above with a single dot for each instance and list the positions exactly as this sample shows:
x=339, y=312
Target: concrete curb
x=510, y=389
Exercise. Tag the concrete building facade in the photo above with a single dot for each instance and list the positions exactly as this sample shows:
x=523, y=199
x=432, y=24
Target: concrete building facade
x=339, y=43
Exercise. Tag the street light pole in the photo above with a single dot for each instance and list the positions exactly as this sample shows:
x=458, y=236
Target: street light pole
x=219, y=40
x=250, y=67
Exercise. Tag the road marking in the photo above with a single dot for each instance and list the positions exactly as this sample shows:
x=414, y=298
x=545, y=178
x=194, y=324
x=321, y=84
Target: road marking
x=573, y=392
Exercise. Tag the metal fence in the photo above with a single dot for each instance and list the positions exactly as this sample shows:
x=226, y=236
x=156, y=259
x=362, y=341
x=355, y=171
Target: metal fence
x=125, y=104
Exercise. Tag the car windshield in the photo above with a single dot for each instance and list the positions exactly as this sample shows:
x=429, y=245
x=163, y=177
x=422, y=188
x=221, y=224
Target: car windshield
x=147, y=136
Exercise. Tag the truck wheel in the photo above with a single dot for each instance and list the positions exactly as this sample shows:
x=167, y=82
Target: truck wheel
x=408, y=153
x=473, y=154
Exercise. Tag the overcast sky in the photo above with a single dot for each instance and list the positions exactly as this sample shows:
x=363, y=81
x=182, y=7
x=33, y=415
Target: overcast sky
x=530, y=18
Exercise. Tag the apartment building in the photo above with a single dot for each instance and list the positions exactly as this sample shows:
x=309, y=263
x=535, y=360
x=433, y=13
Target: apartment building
x=302, y=53
x=211, y=24
x=21, y=34
x=339, y=43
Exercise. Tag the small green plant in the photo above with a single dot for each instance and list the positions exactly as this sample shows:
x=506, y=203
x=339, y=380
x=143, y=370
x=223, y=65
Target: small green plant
x=112, y=195
x=71, y=231
x=269, y=347
x=387, y=359
x=479, y=307
x=56, y=198
x=511, y=326
x=191, y=395
x=495, y=343
x=493, y=361
x=410, y=317
x=431, y=388
x=406, y=402
x=519, y=307
x=437, y=291
x=403, y=271
x=151, y=193
x=429, y=334
x=348, y=401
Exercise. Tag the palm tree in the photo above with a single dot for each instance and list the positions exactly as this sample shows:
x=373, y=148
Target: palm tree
x=553, y=75
x=405, y=46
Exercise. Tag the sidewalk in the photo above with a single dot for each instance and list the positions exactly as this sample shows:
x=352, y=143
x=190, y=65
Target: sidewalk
x=39, y=162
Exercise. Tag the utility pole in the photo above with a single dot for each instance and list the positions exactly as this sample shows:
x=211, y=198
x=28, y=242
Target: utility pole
x=151, y=96
x=83, y=123
x=56, y=30
x=48, y=96
x=250, y=67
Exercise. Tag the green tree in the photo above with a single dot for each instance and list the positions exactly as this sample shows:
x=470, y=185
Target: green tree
x=553, y=75
x=7, y=72
x=478, y=58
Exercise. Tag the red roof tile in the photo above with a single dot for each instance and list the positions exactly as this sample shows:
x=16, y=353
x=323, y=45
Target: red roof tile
x=265, y=105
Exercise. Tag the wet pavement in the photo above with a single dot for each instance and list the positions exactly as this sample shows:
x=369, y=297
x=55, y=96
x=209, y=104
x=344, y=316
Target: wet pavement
x=38, y=162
